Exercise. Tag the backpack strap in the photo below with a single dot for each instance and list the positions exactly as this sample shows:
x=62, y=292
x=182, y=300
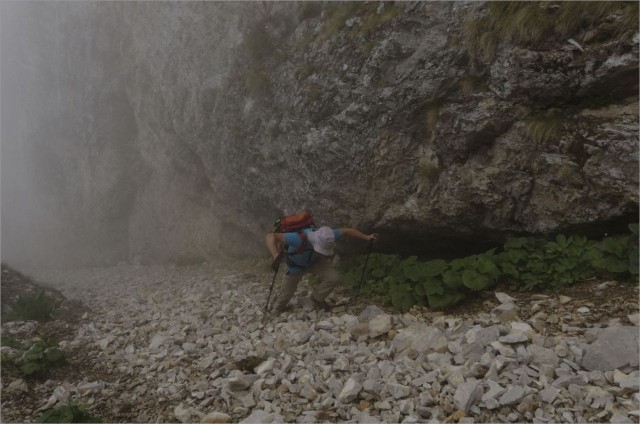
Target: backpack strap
x=304, y=242
x=304, y=248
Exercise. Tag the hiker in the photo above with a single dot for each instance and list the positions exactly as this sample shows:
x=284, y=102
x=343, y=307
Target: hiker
x=309, y=250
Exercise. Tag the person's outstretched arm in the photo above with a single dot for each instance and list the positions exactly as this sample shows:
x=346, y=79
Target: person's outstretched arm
x=352, y=232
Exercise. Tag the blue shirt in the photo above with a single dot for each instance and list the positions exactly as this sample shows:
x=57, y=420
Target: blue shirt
x=297, y=263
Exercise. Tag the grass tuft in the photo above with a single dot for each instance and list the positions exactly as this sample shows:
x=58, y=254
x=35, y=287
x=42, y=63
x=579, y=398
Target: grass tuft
x=530, y=23
x=36, y=307
x=542, y=127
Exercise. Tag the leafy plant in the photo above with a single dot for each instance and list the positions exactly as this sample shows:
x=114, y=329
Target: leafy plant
x=38, y=307
x=11, y=341
x=526, y=263
x=32, y=359
x=71, y=413
x=531, y=263
x=40, y=356
x=620, y=254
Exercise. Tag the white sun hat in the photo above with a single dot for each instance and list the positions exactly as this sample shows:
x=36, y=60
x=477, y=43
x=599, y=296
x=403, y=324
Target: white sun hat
x=323, y=240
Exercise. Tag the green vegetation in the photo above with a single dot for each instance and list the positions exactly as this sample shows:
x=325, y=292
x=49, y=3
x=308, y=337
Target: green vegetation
x=525, y=263
x=71, y=413
x=428, y=173
x=531, y=263
x=257, y=83
x=432, y=113
x=373, y=20
x=529, y=23
x=38, y=307
x=305, y=71
x=338, y=13
x=33, y=359
x=542, y=127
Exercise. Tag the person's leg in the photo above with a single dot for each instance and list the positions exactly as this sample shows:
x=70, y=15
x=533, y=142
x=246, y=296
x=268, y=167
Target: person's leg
x=289, y=287
x=329, y=278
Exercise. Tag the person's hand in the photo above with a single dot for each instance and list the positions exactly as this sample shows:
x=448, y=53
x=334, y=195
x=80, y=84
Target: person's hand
x=275, y=262
x=372, y=237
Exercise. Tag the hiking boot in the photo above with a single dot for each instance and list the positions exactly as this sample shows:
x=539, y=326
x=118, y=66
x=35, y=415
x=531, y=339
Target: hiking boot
x=281, y=309
x=321, y=305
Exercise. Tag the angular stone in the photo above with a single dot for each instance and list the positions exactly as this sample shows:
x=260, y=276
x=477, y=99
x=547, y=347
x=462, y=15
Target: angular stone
x=418, y=339
x=614, y=348
x=566, y=380
x=265, y=367
x=494, y=391
x=215, y=418
x=350, y=391
x=241, y=382
x=18, y=385
x=260, y=416
x=398, y=391
x=506, y=312
x=85, y=389
x=504, y=298
x=380, y=324
x=541, y=355
x=514, y=337
x=182, y=414
x=513, y=395
x=370, y=312
x=549, y=394
x=467, y=394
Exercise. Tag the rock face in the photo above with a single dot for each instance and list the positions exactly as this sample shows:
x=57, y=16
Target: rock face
x=177, y=131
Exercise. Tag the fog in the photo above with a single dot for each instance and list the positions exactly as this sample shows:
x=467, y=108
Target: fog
x=80, y=178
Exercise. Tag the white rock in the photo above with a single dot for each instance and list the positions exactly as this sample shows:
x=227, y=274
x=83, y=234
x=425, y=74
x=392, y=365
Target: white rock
x=549, y=394
x=504, y=298
x=216, y=418
x=157, y=341
x=85, y=389
x=467, y=394
x=350, y=391
x=62, y=393
x=398, y=391
x=634, y=319
x=380, y=324
x=259, y=416
x=182, y=414
x=18, y=385
x=513, y=395
x=265, y=367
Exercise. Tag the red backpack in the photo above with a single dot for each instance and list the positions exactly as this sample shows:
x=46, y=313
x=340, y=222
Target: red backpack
x=295, y=223
x=292, y=223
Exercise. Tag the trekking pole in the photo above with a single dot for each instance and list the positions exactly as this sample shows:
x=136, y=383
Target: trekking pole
x=364, y=269
x=266, y=307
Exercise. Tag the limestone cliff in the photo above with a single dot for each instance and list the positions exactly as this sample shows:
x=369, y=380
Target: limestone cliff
x=178, y=131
